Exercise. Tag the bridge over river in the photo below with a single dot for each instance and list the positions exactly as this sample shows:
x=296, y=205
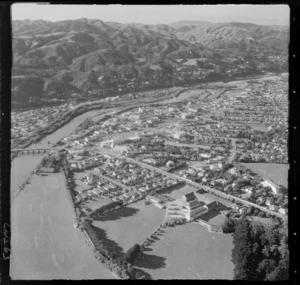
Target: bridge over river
x=32, y=150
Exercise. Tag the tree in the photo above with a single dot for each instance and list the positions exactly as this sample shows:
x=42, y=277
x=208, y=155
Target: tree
x=265, y=267
x=132, y=253
x=281, y=272
x=229, y=226
x=242, y=254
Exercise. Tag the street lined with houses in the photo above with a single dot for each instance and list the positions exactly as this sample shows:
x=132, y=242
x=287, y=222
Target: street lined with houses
x=175, y=162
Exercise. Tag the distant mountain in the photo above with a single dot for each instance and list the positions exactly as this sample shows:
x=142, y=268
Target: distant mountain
x=237, y=37
x=89, y=49
x=180, y=24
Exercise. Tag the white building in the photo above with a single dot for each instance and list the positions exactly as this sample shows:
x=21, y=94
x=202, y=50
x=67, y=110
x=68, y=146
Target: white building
x=273, y=186
x=189, y=207
x=187, y=116
x=179, y=134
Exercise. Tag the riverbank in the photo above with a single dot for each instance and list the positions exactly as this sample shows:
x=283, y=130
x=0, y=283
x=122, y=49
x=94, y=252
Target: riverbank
x=21, y=187
x=69, y=116
x=97, y=104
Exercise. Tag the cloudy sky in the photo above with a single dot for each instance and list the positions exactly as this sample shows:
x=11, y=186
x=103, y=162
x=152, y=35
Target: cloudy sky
x=156, y=14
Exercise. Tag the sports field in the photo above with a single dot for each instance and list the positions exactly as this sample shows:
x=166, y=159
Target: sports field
x=276, y=172
x=131, y=224
x=189, y=251
x=45, y=245
x=178, y=193
x=96, y=203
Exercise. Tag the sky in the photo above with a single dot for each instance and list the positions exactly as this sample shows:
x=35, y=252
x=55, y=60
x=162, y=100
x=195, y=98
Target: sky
x=155, y=14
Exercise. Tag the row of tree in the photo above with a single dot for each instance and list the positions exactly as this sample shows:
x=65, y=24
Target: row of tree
x=110, y=255
x=106, y=209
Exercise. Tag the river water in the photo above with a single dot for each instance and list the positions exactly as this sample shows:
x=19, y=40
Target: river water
x=22, y=165
x=44, y=243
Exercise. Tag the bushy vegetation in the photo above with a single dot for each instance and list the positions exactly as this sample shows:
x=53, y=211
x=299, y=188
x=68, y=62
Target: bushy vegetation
x=260, y=252
x=52, y=161
x=229, y=226
x=132, y=253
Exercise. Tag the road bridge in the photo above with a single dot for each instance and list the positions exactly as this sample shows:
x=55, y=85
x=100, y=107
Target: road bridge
x=32, y=150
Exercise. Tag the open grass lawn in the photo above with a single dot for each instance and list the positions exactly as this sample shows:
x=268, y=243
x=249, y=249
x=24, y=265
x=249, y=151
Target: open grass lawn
x=276, y=172
x=178, y=193
x=131, y=224
x=96, y=203
x=188, y=251
x=80, y=175
x=45, y=245
x=200, y=93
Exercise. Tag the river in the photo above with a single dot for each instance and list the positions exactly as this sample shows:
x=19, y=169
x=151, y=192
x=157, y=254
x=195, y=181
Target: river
x=22, y=165
x=44, y=243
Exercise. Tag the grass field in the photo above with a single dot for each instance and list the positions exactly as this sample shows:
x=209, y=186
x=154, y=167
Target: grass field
x=200, y=93
x=44, y=242
x=189, y=251
x=131, y=224
x=178, y=193
x=97, y=202
x=276, y=172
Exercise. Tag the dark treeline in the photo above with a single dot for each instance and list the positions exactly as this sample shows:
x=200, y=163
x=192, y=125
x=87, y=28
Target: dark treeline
x=106, y=209
x=260, y=252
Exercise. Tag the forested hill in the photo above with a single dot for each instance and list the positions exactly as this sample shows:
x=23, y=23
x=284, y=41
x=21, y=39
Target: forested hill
x=54, y=59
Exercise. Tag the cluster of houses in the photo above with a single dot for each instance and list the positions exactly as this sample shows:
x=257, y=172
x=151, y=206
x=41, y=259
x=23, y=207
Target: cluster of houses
x=248, y=151
x=172, y=135
x=157, y=151
x=27, y=124
x=246, y=185
x=96, y=187
x=119, y=180
x=265, y=105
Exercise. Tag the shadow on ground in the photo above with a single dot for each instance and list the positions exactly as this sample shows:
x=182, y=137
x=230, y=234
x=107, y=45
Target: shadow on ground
x=210, y=215
x=142, y=272
x=147, y=249
x=150, y=261
x=111, y=243
x=118, y=214
x=171, y=190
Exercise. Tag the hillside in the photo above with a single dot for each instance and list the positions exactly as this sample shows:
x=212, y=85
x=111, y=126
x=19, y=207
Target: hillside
x=107, y=57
